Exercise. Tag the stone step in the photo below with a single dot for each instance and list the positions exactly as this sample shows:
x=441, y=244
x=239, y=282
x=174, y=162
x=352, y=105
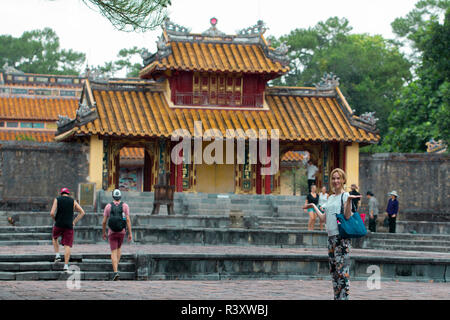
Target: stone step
x=51, y=266
x=428, y=243
x=24, y=236
x=36, y=242
x=411, y=248
x=62, y=276
x=40, y=229
x=409, y=236
x=75, y=257
x=223, y=266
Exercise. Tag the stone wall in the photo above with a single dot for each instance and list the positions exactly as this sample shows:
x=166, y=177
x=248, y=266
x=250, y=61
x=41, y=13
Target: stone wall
x=31, y=173
x=421, y=180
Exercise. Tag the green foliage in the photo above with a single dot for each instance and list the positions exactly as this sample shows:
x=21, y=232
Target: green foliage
x=136, y=15
x=24, y=137
x=371, y=69
x=124, y=56
x=297, y=179
x=38, y=51
x=422, y=111
x=409, y=28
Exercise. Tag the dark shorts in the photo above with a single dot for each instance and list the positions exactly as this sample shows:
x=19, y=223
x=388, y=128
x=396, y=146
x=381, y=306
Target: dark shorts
x=67, y=235
x=115, y=240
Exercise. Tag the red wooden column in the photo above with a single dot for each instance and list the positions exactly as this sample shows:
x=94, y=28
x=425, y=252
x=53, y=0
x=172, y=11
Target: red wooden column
x=172, y=165
x=179, y=187
x=258, y=173
x=258, y=178
x=268, y=178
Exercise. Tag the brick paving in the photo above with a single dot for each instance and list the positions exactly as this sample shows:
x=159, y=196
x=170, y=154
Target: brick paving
x=219, y=290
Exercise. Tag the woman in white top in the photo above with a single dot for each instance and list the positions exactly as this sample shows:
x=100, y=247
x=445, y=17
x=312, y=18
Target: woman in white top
x=338, y=248
x=323, y=197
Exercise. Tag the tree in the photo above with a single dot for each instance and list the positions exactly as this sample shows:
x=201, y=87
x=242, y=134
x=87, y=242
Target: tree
x=135, y=15
x=372, y=70
x=125, y=57
x=423, y=110
x=408, y=29
x=38, y=51
x=297, y=179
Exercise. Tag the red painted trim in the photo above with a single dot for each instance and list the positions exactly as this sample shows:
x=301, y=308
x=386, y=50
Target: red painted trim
x=172, y=166
x=180, y=175
x=267, y=178
x=258, y=178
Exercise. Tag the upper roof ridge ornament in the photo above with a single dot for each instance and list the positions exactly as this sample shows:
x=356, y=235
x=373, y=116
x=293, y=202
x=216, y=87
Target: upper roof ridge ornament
x=257, y=29
x=279, y=53
x=329, y=81
x=213, y=31
x=172, y=27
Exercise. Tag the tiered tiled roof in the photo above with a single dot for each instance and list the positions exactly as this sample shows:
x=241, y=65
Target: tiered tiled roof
x=20, y=108
x=213, y=51
x=300, y=114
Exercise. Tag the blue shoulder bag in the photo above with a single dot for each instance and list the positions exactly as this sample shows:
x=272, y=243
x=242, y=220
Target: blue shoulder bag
x=351, y=228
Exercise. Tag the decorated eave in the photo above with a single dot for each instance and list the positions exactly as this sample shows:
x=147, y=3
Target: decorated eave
x=130, y=108
x=215, y=51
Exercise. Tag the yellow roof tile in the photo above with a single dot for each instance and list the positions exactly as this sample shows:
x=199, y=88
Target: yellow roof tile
x=146, y=113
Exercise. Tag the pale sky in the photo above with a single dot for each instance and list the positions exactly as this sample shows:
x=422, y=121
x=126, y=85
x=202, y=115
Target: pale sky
x=85, y=30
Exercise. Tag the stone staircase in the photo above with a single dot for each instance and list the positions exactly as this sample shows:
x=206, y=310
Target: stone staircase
x=405, y=241
x=42, y=267
x=285, y=234
x=4, y=218
x=213, y=204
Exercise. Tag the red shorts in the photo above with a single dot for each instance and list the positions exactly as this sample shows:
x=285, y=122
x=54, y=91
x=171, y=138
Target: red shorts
x=67, y=235
x=115, y=240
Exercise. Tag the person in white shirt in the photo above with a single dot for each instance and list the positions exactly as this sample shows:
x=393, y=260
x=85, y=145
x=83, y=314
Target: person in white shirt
x=311, y=171
x=338, y=248
x=323, y=197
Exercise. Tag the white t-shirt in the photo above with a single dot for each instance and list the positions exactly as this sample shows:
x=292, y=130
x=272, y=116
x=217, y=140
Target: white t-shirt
x=311, y=171
x=323, y=197
x=333, y=207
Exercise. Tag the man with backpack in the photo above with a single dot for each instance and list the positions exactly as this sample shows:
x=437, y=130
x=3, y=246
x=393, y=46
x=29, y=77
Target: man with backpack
x=117, y=213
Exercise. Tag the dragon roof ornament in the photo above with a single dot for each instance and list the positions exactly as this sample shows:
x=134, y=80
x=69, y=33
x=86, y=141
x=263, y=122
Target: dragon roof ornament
x=329, y=81
x=279, y=53
x=257, y=29
x=172, y=27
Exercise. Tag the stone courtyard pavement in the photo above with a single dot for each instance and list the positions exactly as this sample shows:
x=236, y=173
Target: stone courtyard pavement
x=217, y=290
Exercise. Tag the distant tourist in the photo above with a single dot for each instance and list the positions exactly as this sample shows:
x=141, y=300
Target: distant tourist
x=62, y=212
x=323, y=197
x=312, y=197
x=392, y=210
x=117, y=214
x=338, y=248
x=354, y=192
x=311, y=171
x=373, y=211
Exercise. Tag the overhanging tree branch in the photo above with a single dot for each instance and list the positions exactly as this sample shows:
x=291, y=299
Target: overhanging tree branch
x=132, y=15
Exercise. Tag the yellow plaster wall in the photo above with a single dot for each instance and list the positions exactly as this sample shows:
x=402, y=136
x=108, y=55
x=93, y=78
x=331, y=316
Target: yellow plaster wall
x=96, y=162
x=352, y=164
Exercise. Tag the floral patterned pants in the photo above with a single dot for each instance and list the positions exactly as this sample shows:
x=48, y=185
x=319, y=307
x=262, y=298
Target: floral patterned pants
x=339, y=261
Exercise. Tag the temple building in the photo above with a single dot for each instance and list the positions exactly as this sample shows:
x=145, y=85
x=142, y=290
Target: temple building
x=30, y=103
x=199, y=87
